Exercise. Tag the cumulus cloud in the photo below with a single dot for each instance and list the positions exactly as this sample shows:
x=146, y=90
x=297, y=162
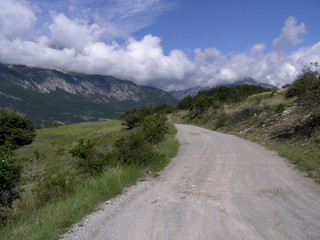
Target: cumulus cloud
x=16, y=20
x=78, y=44
x=66, y=33
x=291, y=35
x=257, y=48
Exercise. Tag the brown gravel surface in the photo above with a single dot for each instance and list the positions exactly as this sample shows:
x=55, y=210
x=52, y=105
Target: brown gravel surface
x=218, y=187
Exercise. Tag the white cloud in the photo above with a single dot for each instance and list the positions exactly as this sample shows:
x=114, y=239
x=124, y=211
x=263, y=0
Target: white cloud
x=257, y=48
x=80, y=47
x=66, y=33
x=291, y=35
x=16, y=20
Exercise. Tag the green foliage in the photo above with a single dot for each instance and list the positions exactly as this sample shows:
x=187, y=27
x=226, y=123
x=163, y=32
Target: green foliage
x=185, y=103
x=135, y=117
x=64, y=196
x=134, y=150
x=247, y=113
x=154, y=128
x=55, y=124
x=215, y=97
x=307, y=91
x=280, y=108
x=10, y=173
x=201, y=103
x=54, y=186
x=306, y=82
x=15, y=130
x=91, y=161
x=221, y=120
x=233, y=94
x=132, y=118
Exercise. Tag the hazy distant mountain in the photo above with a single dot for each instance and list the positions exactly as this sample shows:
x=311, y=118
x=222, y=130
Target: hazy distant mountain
x=251, y=81
x=194, y=91
x=187, y=92
x=47, y=95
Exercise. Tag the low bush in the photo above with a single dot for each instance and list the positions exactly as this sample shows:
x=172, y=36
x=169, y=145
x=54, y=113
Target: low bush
x=221, y=120
x=135, y=117
x=185, y=103
x=91, y=161
x=280, y=108
x=53, y=187
x=10, y=173
x=134, y=150
x=154, y=128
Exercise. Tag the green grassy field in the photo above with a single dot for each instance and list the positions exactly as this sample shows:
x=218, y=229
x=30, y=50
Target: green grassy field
x=51, y=146
x=50, y=153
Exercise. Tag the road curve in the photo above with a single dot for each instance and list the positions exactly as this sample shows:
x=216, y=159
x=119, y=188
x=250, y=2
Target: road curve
x=218, y=187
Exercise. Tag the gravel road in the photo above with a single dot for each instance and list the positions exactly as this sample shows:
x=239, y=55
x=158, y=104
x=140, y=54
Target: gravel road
x=218, y=187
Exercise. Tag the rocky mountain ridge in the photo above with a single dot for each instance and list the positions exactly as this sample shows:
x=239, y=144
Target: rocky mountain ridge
x=47, y=95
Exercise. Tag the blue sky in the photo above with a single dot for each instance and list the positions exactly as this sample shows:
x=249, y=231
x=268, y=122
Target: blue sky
x=231, y=25
x=172, y=45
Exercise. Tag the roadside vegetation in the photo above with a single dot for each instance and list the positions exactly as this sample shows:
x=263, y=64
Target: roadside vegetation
x=69, y=170
x=51, y=178
x=286, y=120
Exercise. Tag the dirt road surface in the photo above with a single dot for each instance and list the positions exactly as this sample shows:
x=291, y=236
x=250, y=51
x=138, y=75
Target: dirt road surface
x=218, y=187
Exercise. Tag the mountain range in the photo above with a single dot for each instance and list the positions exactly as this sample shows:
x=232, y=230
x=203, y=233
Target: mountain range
x=54, y=95
x=49, y=95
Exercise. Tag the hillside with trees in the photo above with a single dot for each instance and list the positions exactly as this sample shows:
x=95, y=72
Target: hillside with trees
x=286, y=120
x=51, y=95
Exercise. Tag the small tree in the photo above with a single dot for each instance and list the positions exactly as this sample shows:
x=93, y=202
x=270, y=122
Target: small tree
x=154, y=128
x=16, y=130
x=9, y=177
x=91, y=161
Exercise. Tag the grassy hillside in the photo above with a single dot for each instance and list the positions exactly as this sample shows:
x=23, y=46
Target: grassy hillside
x=289, y=125
x=73, y=194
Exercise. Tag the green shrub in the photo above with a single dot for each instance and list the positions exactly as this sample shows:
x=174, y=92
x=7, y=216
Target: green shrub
x=132, y=118
x=221, y=120
x=135, y=117
x=91, y=161
x=133, y=149
x=154, y=128
x=185, y=103
x=52, y=187
x=16, y=130
x=55, y=124
x=280, y=108
x=10, y=173
x=307, y=82
x=201, y=103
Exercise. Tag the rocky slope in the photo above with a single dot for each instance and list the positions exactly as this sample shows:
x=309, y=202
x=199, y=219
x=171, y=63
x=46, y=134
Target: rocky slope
x=47, y=95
